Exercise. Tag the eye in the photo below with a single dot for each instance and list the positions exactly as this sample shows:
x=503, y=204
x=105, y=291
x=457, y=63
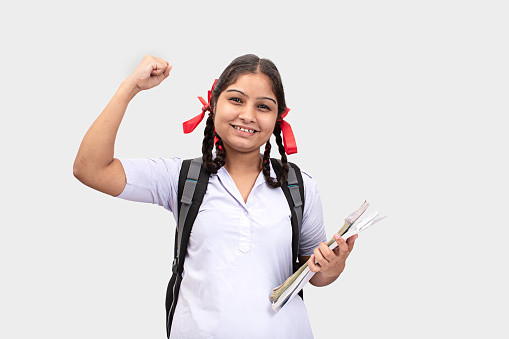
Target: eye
x=263, y=106
x=235, y=99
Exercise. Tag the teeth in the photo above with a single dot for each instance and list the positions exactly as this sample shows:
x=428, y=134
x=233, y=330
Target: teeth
x=244, y=130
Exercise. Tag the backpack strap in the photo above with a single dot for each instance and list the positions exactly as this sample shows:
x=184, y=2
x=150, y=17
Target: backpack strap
x=294, y=193
x=193, y=181
x=190, y=196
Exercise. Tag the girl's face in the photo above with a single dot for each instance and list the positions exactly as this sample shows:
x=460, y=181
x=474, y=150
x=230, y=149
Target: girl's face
x=246, y=113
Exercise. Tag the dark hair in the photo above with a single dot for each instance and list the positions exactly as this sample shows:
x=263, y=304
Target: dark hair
x=246, y=64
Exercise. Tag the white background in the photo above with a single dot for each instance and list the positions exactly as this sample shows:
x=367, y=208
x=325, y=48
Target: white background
x=401, y=103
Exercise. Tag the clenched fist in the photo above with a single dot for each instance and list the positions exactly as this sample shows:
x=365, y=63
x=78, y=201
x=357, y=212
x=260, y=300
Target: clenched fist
x=149, y=73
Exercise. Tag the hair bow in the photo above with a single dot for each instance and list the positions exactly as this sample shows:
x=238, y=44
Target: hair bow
x=191, y=124
x=288, y=137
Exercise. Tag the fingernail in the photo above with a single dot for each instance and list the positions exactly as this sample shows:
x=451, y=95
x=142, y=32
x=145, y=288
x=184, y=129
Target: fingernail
x=336, y=236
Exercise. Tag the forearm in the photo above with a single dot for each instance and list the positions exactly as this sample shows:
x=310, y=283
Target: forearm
x=97, y=148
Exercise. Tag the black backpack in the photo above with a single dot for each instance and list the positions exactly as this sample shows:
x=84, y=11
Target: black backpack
x=193, y=181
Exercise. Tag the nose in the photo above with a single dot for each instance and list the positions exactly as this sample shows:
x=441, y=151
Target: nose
x=248, y=113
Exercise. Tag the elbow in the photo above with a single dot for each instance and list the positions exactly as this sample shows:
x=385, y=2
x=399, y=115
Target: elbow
x=78, y=169
x=76, y=172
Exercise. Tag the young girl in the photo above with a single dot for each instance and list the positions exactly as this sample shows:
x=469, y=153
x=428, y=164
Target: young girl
x=240, y=244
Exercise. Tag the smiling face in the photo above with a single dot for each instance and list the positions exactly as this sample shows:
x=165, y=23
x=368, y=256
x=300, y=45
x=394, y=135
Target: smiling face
x=245, y=113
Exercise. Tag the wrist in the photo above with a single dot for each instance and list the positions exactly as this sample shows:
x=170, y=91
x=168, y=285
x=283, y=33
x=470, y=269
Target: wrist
x=322, y=279
x=330, y=275
x=128, y=89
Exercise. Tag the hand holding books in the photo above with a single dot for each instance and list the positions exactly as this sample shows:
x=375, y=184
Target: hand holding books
x=330, y=262
x=291, y=287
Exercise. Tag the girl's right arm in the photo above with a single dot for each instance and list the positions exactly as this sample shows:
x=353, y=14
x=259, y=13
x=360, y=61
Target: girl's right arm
x=95, y=165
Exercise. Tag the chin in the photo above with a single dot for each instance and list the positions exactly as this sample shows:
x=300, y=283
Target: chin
x=242, y=148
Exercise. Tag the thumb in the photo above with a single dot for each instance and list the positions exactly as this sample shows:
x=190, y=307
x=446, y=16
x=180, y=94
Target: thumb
x=157, y=71
x=159, y=66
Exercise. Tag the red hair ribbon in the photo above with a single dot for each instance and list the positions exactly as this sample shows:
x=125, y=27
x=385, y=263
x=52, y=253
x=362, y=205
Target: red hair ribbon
x=288, y=137
x=191, y=124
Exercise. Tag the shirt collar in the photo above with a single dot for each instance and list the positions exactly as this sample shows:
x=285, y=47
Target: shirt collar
x=230, y=186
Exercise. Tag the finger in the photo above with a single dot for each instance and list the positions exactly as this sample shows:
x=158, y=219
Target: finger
x=341, y=243
x=158, y=66
x=164, y=61
x=351, y=241
x=167, y=70
x=326, y=251
x=311, y=264
x=157, y=69
x=319, y=257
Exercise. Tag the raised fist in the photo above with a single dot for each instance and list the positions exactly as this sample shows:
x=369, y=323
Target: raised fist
x=150, y=72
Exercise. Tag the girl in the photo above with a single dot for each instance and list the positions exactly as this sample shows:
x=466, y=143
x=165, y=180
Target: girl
x=240, y=245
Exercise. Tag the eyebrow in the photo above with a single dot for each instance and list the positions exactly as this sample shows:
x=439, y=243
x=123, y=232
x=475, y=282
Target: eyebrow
x=244, y=94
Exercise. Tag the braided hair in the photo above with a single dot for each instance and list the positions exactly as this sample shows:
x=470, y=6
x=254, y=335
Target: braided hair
x=246, y=64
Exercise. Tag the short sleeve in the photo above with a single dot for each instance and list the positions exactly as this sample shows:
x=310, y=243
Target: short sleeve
x=313, y=229
x=152, y=180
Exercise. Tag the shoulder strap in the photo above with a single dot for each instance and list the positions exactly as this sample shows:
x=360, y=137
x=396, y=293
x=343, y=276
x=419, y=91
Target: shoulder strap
x=193, y=183
x=294, y=193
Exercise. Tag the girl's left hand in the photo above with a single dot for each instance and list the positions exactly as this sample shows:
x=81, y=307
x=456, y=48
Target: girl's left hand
x=331, y=263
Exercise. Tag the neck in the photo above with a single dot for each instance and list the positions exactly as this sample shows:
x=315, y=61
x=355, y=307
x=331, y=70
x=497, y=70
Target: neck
x=243, y=162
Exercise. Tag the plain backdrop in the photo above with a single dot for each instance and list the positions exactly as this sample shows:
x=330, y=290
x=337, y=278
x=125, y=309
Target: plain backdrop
x=401, y=103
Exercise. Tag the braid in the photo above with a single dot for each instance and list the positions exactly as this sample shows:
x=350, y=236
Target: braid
x=266, y=167
x=212, y=165
x=220, y=159
x=284, y=161
x=208, y=144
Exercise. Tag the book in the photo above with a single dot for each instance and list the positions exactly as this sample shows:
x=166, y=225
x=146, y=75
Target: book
x=292, y=286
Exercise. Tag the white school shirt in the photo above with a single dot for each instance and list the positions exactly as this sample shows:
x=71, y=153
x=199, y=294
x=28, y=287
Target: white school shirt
x=237, y=253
